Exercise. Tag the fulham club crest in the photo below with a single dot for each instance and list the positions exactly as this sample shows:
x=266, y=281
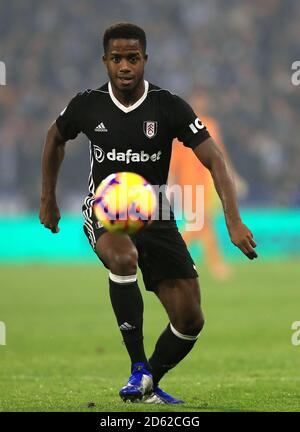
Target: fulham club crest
x=150, y=128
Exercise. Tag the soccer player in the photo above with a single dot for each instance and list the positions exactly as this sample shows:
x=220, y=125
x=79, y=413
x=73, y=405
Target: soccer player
x=130, y=125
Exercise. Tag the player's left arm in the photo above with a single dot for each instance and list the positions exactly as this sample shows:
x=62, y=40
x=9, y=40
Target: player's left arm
x=240, y=183
x=212, y=158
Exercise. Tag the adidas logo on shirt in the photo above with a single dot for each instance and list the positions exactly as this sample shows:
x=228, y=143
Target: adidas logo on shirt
x=100, y=128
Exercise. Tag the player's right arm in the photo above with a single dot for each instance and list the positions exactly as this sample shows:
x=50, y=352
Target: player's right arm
x=66, y=127
x=52, y=158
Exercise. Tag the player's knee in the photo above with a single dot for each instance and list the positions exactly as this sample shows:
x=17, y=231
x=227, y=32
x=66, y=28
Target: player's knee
x=191, y=325
x=199, y=324
x=124, y=263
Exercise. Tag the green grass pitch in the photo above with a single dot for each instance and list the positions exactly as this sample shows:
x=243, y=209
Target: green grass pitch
x=64, y=349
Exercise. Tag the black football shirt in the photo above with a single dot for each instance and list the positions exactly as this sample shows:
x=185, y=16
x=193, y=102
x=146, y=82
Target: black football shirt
x=137, y=138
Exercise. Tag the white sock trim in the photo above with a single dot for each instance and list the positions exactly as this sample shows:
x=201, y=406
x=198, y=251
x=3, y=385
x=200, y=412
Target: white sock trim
x=122, y=279
x=182, y=336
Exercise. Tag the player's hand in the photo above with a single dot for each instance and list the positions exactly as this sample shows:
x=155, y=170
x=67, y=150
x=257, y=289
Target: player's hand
x=242, y=237
x=49, y=214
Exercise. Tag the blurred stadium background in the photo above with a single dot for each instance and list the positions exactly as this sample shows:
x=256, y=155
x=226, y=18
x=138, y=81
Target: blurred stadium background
x=238, y=52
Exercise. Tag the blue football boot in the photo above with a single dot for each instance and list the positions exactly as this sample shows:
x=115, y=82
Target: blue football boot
x=158, y=396
x=139, y=383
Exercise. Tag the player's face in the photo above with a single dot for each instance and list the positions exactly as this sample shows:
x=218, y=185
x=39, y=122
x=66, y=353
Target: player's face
x=125, y=64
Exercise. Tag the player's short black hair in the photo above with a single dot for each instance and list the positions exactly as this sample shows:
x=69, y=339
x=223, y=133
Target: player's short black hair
x=124, y=30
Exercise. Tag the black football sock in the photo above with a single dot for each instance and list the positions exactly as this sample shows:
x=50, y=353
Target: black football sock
x=127, y=303
x=170, y=349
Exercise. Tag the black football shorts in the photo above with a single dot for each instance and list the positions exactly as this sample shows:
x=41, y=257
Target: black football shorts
x=162, y=252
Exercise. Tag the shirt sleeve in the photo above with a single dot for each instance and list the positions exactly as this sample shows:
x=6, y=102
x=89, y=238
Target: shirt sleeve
x=70, y=119
x=187, y=127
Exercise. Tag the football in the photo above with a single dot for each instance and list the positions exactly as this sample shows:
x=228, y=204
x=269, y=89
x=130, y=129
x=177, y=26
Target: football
x=125, y=202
